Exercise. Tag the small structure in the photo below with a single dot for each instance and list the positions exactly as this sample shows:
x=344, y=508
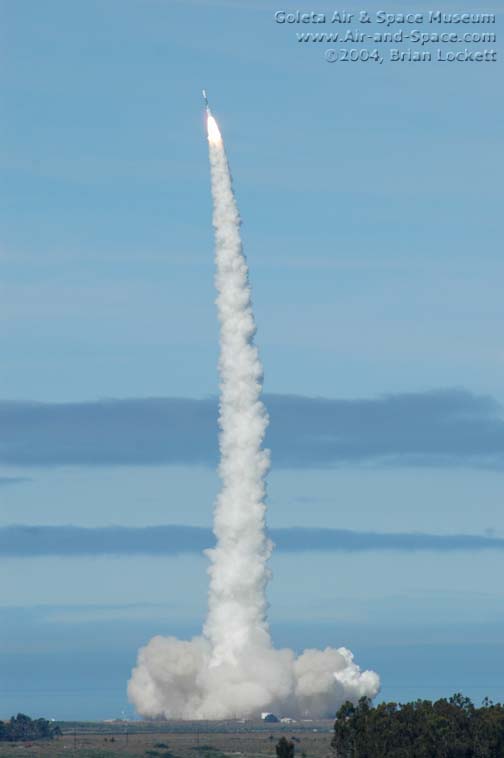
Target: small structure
x=270, y=718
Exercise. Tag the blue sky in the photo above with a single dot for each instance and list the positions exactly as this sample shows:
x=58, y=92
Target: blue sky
x=371, y=199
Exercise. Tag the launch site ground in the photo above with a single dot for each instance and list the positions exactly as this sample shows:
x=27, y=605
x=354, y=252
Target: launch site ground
x=177, y=739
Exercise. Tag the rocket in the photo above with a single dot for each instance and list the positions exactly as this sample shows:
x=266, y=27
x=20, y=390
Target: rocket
x=205, y=98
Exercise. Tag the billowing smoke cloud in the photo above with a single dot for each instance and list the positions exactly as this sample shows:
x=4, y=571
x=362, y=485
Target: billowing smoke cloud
x=233, y=669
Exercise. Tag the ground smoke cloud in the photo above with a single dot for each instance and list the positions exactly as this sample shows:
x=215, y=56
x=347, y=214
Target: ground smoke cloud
x=232, y=669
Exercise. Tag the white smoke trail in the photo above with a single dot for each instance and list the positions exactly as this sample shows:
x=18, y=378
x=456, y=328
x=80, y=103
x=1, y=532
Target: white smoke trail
x=239, y=573
x=233, y=669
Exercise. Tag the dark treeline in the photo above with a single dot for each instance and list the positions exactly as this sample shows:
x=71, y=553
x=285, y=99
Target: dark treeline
x=452, y=728
x=23, y=728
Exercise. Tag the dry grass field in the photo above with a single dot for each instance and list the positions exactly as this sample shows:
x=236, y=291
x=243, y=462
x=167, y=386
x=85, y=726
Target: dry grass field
x=176, y=740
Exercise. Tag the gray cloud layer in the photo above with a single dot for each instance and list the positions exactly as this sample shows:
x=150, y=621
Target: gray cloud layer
x=6, y=481
x=445, y=427
x=31, y=541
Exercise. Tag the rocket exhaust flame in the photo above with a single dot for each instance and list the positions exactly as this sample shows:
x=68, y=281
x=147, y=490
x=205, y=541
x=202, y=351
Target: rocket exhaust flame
x=233, y=669
x=213, y=131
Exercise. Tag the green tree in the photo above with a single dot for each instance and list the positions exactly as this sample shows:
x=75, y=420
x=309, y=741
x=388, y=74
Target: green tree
x=284, y=748
x=21, y=728
x=452, y=728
